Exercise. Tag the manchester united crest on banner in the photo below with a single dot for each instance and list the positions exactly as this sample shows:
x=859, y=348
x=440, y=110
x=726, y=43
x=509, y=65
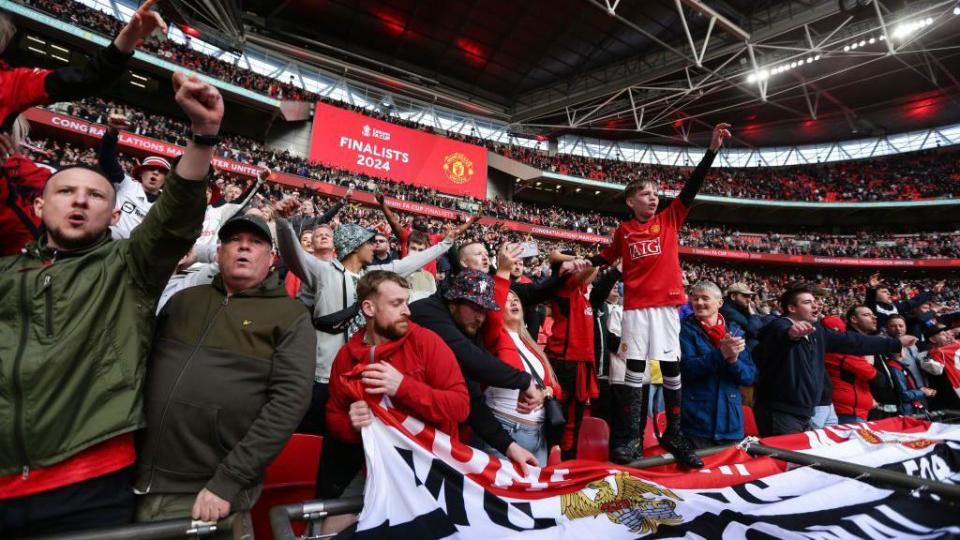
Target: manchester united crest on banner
x=458, y=168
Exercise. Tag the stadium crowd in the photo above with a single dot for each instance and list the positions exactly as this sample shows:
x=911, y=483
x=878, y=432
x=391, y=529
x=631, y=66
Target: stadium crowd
x=921, y=175
x=865, y=244
x=170, y=327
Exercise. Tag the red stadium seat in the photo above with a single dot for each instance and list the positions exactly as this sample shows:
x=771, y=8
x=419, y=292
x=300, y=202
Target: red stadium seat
x=594, y=441
x=291, y=478
x=749, y=423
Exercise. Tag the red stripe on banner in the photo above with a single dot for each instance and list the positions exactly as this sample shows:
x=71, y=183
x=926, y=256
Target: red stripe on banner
x=731, y=467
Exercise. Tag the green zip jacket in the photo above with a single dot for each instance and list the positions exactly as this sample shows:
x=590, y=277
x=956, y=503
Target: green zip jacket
x=75, y=329
x=229, y=379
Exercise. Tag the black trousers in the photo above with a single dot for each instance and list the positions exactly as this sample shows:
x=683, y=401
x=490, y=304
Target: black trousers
x=315, y=421
x=104, y=501
x=566, y=373
x=771, y=422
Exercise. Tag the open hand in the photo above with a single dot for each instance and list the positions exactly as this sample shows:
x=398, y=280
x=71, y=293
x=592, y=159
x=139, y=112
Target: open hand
x=143, y=23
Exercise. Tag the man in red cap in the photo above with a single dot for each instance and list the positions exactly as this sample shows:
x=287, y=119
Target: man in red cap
x=137, y=192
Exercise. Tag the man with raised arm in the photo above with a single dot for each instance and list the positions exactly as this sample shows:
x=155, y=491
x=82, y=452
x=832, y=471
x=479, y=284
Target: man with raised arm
x=76, y=320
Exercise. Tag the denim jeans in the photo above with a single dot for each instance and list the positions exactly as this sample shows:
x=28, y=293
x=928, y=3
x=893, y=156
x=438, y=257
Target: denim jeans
x=849, y=419
x=823, y=416
x=534, y=439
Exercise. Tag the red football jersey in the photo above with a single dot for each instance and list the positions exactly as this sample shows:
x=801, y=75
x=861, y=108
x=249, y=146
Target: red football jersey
x=949, y=356
x=651, y=259
x=571, y=337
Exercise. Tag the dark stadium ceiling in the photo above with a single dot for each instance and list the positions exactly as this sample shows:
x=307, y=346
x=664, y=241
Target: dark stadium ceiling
x=639, y=70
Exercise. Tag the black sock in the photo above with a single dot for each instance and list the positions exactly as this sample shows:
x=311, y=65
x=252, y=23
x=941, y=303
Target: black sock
x=671, y=394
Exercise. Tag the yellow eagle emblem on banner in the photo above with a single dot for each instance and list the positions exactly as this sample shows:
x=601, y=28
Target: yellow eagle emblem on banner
x=635, y=504
x=458, y=168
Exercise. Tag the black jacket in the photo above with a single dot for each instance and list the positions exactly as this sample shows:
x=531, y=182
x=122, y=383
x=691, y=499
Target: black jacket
x=751, y=324
x=884, y=310
x=601, y=313
x=792, y=372
x=480, y=368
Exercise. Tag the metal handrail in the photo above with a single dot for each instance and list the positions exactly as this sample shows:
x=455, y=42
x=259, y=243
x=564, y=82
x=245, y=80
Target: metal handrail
x=280, y=516
x=155, y=530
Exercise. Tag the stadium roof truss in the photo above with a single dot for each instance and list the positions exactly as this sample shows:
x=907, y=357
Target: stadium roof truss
x=657, y=87
x=716, y=55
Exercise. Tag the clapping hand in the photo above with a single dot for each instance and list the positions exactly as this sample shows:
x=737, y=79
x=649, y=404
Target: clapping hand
x=731, y=347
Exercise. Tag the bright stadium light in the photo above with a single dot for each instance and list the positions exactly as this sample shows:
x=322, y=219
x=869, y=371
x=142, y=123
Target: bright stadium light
x=956, y=10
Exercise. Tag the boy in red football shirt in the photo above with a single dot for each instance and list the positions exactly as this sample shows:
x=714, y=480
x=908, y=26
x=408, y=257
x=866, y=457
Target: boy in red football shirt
x=653, y=288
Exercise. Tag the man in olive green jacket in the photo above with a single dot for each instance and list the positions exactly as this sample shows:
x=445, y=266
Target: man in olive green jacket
x=228, y=381
x=76, y=320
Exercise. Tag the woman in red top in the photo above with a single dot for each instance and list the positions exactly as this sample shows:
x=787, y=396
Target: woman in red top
x=506, y=337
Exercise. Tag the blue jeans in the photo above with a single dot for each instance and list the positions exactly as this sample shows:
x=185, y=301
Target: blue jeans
x=655, y=403
x=849, y=419
x=823, y=416
x=533, y=439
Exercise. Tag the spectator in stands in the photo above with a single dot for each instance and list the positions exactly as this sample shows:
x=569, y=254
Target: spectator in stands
x=457, y=316
x=792, y=368
x=944, y=350
x=880, y=300
x=25, y=87
x=21, y=183
x=738, y=307
x=188, y=466
x=715, y=363
x=322, y=242
x=400, y=359
x=648, y=245
x=913, y=395
x=91, y=292
x=381, y=249
x=570, y=346
x=851, y=375
x=422, y=282
x=506, y=337
x=22, y=88
x=919, y=365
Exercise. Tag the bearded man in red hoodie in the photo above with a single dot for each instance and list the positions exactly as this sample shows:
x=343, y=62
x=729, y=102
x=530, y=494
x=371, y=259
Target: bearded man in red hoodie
x=405, y=361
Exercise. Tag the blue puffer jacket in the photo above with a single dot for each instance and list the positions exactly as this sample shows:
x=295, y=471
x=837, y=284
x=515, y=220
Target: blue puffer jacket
x=711, y=386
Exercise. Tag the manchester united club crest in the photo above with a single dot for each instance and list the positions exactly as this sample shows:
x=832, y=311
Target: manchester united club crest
x=458, y=168
x=627, y=501
x=655, y=228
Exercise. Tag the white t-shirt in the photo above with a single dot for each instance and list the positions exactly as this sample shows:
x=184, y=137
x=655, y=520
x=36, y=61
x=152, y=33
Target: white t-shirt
x=133, y=205
x=505, y=400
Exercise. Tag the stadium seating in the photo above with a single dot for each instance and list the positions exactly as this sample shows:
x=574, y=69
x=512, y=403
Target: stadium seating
x=291, y=478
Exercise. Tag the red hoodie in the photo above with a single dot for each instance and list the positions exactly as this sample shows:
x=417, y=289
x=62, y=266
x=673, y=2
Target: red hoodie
x=432, y=390
x=851, y=376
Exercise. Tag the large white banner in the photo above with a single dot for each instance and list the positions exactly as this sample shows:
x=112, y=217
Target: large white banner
x=420, y=484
